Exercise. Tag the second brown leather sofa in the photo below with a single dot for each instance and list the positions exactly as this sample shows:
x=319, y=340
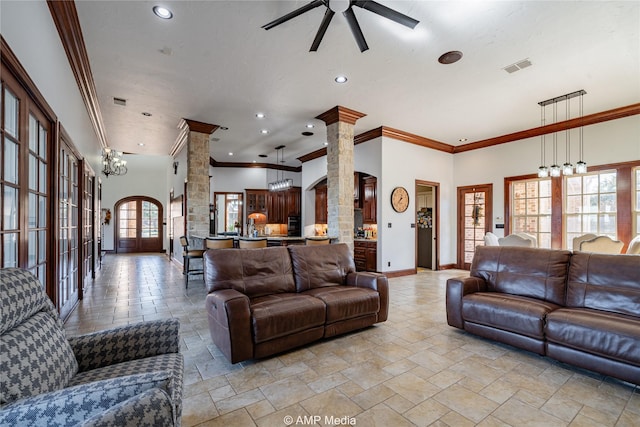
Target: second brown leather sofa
x=264, y=301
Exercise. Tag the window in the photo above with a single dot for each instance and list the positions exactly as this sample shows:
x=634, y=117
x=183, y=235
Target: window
x=531, y=209
x=590, y=205
x=9, y=179
x=149, y=220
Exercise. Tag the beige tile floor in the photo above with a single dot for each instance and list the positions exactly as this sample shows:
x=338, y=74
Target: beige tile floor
x=413, y=370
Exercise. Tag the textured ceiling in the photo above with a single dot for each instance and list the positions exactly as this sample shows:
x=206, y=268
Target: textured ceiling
x=214, y=63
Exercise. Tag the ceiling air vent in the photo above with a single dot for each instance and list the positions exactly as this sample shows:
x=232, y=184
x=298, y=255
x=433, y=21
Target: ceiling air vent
x=517, y=66
x=120, y=101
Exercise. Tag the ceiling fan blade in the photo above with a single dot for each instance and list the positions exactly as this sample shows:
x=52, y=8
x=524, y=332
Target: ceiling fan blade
x=386, y=12
x=295, y=13
x=323, y=29
x=355, y=29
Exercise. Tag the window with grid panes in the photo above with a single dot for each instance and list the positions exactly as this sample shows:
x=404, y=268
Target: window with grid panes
x=590, y=205
x=531, y=209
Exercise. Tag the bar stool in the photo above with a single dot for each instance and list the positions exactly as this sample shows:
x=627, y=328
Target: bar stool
x=252, y=243
x=187, y=256
x=314, y=241
x=219, y=243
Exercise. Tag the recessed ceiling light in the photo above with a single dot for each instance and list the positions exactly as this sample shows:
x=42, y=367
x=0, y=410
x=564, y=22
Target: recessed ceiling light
x=224, y=128
x=260, y=115
x=230, y=153
x=463, y=140
x=450, y=57
x=341, y=79
x=264, y=131
x=141, y=144
x=326, y=143
x=144, y=113
x=254, y=161
x=309, y=126
x=162, y=12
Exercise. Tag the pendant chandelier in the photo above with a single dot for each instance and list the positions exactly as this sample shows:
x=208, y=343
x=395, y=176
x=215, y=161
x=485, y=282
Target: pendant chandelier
x=112, y=162
x=567, y=168
x=281, y=184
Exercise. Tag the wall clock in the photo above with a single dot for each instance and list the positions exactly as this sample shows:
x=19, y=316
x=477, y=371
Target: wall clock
x=399, y=199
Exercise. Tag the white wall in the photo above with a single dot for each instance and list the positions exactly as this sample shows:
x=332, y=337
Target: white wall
x=402, y=165
x=604, y=143
x=147, y=176
x=29, y=30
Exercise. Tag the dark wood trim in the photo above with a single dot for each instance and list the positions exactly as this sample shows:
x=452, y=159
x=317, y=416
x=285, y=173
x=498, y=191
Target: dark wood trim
x=340, y=114
x=65, y=17
x=488, y=214
x=417, y=140
x=624, y=221
x=116, y=222
x=603, y=116
x=217, y=164
x=15, y=68
x=367, y=136
x=400, y=273
x=313, y=155
x=447, y=267
x=196, y=126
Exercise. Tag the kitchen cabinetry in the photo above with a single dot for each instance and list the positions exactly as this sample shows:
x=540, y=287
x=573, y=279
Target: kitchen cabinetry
x=357, y=201
x=365, y=255
x=321, y=204
x=370, y=201
x=256, y=201
x=282, y=204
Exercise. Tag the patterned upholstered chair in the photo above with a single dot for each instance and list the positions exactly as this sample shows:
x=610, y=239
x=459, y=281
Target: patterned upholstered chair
x=127, y=376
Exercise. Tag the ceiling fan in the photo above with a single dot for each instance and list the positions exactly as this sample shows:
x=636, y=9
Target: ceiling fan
x=369, y=5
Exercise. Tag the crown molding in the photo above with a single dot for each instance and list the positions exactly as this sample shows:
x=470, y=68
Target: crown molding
x=65, y=17
x=340, y=114
x=217, y=164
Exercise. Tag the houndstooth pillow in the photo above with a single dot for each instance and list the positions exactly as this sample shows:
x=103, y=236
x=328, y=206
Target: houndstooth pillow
x=35, y=357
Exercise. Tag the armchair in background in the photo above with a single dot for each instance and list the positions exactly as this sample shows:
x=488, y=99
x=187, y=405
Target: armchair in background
x=634, y=246
x=601, y=245
x=127, y=376
x=491, y=239
x=515, y=240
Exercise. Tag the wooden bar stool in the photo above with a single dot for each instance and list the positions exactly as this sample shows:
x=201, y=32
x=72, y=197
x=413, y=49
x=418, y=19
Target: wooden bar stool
x=187, y=256
x=219, y=243
x=252, y=243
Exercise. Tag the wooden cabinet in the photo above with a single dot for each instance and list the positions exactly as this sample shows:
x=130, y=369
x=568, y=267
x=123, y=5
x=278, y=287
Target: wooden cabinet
x=357, y=200
x=256, y=201
x=321, y=204
x=370, y=201
x=282, y=204
x=365, y=255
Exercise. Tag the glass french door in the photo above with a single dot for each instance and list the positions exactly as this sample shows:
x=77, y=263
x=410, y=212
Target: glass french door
x=68, y=254
x=474, y=220
x=139, y=225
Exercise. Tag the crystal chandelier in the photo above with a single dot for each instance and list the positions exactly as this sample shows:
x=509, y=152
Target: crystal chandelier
x=112, y=163
x=283, y=183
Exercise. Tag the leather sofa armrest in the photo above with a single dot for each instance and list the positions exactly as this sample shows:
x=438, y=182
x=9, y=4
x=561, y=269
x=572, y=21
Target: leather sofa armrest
x=230, y=323
x=457, y=288
x=377, y=282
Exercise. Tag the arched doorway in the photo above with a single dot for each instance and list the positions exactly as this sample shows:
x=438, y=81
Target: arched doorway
x=138, y=225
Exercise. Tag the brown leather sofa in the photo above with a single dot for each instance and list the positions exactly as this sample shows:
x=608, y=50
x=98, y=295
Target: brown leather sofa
x=265, y=301
x=579, y=308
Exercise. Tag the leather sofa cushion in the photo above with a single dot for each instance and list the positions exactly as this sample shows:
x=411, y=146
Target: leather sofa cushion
x=253, y=272
x=605, y=334
x=605, y=282
x=277, y=315
x=321, y=265
x=347, y=302
x=513, y=313
x=529, y=272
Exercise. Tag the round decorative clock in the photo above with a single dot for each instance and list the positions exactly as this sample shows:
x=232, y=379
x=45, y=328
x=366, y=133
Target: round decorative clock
x=399, y=199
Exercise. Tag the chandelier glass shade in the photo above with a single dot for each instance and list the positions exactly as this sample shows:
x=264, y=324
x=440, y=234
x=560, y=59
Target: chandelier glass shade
x=112, y=162
x=281, y=183
x=567, y=169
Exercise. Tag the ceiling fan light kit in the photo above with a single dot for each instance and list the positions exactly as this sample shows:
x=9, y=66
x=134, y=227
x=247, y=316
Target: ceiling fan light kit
x=346, y=8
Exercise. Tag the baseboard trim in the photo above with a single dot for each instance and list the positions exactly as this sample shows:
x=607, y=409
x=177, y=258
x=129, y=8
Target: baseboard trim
x=399, y=273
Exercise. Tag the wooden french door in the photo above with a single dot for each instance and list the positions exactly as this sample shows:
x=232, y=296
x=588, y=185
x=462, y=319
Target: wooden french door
x=138, y=225
x=474, y=220
x=88, y=231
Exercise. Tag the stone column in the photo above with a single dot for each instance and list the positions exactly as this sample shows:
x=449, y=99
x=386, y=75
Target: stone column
x=197, y=197
x=340, y=122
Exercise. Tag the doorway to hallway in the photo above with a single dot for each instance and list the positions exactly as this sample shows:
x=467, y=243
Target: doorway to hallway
x=427, y=219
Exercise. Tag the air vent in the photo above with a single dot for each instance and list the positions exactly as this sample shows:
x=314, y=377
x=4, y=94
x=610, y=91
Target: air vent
x=120, y=101
x=517, y=66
